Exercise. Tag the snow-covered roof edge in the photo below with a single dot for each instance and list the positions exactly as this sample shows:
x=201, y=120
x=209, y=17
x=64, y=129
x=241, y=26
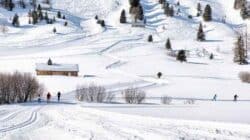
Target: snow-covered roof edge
x=57, y=67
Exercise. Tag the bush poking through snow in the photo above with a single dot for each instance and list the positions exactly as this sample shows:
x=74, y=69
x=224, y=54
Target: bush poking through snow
x=181, y=56
x=101, y=22
x=93, y=93
x=244, y=77
x=159, y=75
x=18, y=88
x=150, y=38
x=189, y=101
x=166, y=100
x=134, y=96
x=3, y=28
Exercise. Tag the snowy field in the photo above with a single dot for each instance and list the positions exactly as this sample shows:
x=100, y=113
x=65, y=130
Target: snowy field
x=118, y=57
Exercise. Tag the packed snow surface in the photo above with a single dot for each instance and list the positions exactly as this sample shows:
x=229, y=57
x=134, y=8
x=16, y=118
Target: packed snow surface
x=119, y=57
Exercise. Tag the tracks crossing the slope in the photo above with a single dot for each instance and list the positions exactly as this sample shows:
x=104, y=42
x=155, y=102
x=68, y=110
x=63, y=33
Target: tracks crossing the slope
x=31, y=119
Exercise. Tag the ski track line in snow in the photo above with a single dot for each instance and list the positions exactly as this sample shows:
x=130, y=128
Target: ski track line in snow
x=118, y=42
x=29, y=121
x=11, y=116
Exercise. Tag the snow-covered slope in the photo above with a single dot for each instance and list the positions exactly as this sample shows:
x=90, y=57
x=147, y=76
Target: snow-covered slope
x=119, y=56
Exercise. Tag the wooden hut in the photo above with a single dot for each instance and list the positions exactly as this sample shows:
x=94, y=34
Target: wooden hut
x=57, y=69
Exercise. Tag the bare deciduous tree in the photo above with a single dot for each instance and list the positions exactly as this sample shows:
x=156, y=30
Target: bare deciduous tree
x=18, y=87
x=93, y=93
x=244, y=77
x=134, y=96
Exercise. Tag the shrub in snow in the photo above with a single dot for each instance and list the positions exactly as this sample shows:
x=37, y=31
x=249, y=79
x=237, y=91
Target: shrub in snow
x=93, y=93
x=3, y=29
x=96, y=17
x=166, y=100
x=189, y=101
x=101, y=22
x=63, y=17
x=159, y=75
x=244, y=77
x=181, y=56
x=49, y=62
x=134, y=96
x=150, y=38
x=18, y=88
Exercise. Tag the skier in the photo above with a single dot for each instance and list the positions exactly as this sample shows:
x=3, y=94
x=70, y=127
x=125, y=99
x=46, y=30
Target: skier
x=215, y=97
x=58, y=96
x=39, y=98
x=236, y=97
x=48, y=97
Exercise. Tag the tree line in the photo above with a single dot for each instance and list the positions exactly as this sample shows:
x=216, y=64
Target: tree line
x=19, y=87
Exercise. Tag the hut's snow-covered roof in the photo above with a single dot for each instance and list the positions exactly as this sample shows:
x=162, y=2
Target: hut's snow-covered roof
x=57, y=67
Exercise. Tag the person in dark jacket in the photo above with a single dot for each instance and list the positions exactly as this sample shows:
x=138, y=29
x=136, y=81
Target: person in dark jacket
x=236, y=97
x=58, y=96
x=215, y=97
x=39, y=98
x=48, y=97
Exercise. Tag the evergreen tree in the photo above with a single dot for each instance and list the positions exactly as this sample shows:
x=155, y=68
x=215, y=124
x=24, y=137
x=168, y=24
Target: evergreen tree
x=123, y=18
x=34, y=17
x=134, y=3
x=166, y=9
x=15, y=21
x=65, y=23
x=207, y=16
x=240, y=51
x=141, y=13
x=244, y=12
x=161, y=1
x=181, y=56
x=178, y=3
x=54, y=30
x=49, y=62
x=54, y=19
x=168, y=44
x=201, y=35
x=46, y=17
x=39, y=8
x=59, y=15
x=40, y=15
x=199, y=7
x=63, y=17
x=171, y=11
x=211, y=57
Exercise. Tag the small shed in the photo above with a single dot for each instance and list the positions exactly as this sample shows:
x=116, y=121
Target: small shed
x=57, y=69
